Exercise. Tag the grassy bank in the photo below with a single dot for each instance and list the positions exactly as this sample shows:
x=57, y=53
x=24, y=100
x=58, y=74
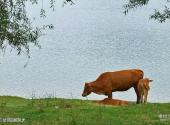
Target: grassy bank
x=53, y=111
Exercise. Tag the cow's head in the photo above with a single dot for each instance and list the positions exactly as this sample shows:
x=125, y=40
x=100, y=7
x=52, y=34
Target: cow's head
x=87, y=90
x=149, y=80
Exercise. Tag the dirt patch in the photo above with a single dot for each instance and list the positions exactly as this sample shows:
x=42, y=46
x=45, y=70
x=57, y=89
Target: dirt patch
x=108, y=101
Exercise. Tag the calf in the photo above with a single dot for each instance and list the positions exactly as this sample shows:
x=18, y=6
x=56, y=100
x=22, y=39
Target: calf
x=108, y=101
x=143, y=87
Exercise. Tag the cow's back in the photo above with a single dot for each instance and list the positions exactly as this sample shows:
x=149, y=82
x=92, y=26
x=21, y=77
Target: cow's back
x=120, y=80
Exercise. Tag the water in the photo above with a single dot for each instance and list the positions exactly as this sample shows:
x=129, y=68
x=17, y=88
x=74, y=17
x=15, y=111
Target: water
x=89, y=38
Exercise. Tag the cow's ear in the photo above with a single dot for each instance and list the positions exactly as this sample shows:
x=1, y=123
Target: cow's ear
x=150, y=80
x=86, y=84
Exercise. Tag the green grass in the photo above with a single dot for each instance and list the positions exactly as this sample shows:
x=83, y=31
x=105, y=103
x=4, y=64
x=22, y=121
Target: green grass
x=54, y=111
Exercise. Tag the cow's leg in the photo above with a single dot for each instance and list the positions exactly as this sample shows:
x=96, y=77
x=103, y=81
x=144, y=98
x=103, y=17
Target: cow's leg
x=137, y=94
x=145, y=96
x=140, y=95
x=109, y=94
x=140, y=98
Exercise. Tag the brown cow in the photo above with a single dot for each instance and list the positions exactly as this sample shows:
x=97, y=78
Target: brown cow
x=143, y=87
x=109, y=82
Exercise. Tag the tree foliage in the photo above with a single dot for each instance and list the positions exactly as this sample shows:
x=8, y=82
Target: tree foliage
x=161, y=16
x=16, y=28
x=133, y=4
x=157, y=15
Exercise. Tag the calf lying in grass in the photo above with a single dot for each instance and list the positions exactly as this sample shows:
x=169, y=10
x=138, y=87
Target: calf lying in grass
x=116, y=102
x=143, y=87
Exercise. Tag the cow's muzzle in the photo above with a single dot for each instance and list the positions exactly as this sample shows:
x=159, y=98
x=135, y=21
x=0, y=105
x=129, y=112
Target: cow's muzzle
x=84, y=95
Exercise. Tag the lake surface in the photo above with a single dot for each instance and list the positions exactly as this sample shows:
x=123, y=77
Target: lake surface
x=89, y=38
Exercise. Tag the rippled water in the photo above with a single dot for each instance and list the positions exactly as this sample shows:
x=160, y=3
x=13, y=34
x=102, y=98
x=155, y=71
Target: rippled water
x=89, y=38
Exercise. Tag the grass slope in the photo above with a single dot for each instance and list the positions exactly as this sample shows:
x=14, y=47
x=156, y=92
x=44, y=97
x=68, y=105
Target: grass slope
x=54, y=111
